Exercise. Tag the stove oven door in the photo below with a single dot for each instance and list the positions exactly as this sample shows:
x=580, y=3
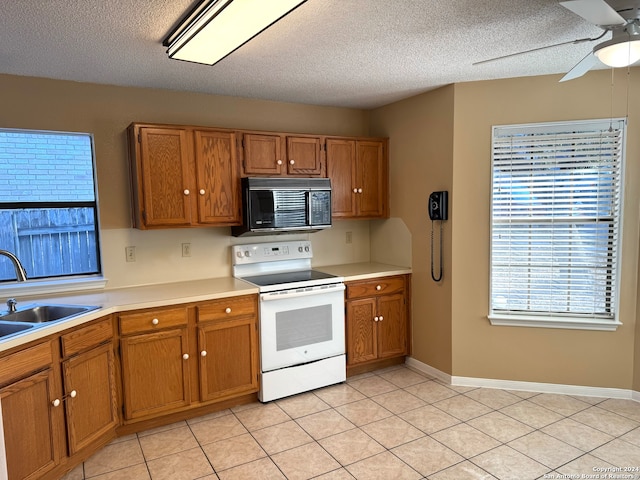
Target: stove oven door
x=301, y=325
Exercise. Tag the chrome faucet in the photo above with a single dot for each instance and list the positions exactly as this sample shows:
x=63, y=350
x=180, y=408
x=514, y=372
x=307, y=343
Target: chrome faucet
x=21, y=274
x=12, y=304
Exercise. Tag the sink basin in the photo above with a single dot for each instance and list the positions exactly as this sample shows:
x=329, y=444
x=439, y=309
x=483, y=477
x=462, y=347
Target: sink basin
x=45, y=313
x=11, y=328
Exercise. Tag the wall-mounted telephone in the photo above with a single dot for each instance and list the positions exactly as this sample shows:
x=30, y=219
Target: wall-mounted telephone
x=438, y=205
x=437, y=211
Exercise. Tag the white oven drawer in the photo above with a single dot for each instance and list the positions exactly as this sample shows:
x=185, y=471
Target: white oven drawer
x=297, y=327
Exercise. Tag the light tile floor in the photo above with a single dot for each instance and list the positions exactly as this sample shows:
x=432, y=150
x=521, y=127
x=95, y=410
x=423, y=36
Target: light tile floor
x=390, y=424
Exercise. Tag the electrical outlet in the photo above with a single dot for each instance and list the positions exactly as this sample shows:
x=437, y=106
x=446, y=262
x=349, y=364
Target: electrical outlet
x=186, y=249
x=349, y=237
x=130, y=254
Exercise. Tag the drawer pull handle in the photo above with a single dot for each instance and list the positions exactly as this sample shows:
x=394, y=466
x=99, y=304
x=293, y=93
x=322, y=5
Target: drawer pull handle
x=227, y=310
x=155, y=321
x=185, y=356
x=378, y=287
x=56, y=402
x=203, y=353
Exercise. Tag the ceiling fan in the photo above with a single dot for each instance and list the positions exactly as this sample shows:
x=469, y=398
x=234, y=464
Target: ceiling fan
x=620, y=17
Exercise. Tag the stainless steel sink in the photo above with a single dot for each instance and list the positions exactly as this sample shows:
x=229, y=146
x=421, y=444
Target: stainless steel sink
x=45, y=313
x=11, y=328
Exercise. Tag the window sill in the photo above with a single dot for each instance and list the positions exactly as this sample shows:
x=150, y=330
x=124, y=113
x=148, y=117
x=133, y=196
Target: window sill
x=553, y=322
x=41, y=287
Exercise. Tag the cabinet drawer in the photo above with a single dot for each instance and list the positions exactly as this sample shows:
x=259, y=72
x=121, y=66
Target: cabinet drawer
x=25, y=362
x=228, y=308
x=152, y=320
x=86, y=337
x=379, y=286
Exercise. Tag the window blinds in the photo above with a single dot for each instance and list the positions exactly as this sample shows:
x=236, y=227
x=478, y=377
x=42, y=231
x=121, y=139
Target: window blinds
x=556, y=218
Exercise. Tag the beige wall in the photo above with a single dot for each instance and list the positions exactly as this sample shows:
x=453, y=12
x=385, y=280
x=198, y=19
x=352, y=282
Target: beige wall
x=106, y=111
x=603, y=359
x=441, y=140
x=421, y=155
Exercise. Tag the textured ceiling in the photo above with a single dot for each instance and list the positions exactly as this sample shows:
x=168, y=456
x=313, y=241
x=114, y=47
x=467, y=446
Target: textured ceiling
x=352, y=53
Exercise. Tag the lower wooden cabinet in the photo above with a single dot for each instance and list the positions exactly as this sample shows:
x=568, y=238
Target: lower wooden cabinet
x=90, y=392
x=228, y=348
x=32, y=424
x=155, y=366
x=377, y=320
x=160, y=357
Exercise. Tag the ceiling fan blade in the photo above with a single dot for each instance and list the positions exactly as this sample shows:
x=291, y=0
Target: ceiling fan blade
x=597, y=12
x=580, y=40
x=582, y=67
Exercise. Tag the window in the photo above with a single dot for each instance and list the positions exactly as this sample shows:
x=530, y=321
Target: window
x=48, y=208
x=555, y=223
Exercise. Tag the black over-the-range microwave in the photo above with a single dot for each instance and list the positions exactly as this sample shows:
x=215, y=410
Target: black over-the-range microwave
x=284, y=205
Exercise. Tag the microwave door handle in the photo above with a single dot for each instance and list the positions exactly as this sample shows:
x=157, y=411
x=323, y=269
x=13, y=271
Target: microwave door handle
x=308, y=200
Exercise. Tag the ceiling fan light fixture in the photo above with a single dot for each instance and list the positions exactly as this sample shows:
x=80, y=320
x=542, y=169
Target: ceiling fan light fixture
x=216, y=28
x=619, y=54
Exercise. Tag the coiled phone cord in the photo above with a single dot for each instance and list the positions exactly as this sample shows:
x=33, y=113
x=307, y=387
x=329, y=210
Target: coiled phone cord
x=441, y=255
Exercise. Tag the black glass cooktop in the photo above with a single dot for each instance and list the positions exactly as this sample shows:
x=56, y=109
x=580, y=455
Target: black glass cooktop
x=287, y=277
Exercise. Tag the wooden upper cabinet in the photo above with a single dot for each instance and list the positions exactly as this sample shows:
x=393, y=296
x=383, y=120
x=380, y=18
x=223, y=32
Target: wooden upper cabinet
x=263, y=154
x=371, y=179
x=358, y=170
x=164, y=177
x=275, y=155
x=341, y=169
x=184, y=177
x=304, y=156
x=217, y=177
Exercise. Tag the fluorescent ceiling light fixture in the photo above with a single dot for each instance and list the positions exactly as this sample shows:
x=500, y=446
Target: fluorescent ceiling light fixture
x=623, y=49
x=215, y=28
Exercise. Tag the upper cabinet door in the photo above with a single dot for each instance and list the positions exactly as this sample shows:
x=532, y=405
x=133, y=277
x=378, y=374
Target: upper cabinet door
x=371, y=179
x=166, y=179
x=341, y=170
x=304, y=156
x=263, y=154
x=217, y=178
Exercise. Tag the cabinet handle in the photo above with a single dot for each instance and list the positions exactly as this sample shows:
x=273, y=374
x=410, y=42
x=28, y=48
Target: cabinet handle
x=56, y=402
x=72, y=394
x=279, y=162
x=202, y=191
x=375, y=319
x=291, y=162
x=381, y=317
x=227, y=310
x=203, y=353
x=186, y=191
x=155, y=321
x=378, y=287
x=185, y=356
x=359, y=190
x=355, y=190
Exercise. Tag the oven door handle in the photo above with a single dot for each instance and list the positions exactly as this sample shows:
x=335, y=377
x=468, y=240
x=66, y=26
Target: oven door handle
x=301, y=292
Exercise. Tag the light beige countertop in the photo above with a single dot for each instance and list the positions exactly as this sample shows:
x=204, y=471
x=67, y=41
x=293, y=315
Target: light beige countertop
x=364, y=271
x=150, y=296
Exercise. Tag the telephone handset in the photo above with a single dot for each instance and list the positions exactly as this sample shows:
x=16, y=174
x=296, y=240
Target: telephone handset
x=437, y=211
x=438, y=205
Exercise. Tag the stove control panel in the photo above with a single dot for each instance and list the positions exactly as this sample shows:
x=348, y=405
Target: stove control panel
x=271, y=252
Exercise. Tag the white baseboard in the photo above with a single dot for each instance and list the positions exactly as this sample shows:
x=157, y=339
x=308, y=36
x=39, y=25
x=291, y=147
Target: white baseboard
x=523, y=386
